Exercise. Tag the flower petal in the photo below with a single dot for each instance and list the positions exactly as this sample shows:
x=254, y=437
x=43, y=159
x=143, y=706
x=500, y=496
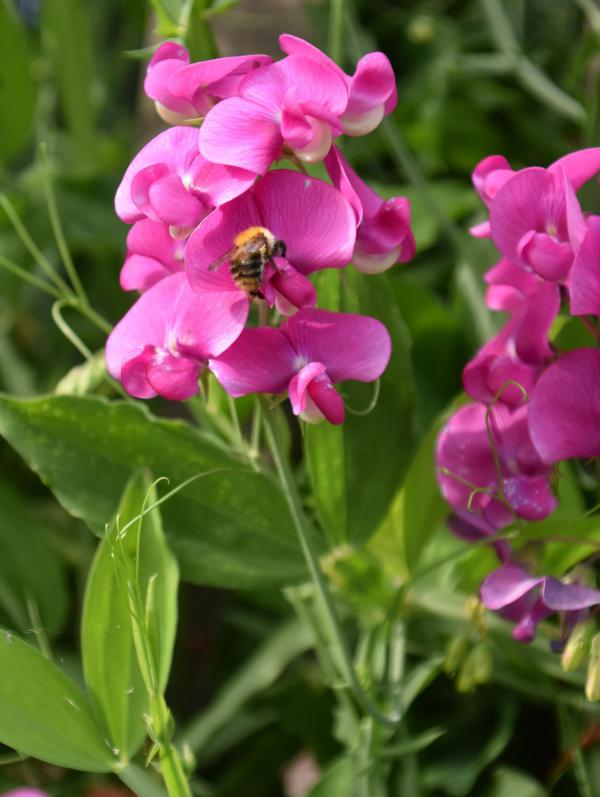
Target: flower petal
x=506, y=585
x=174, y=378
x=579, y=166
x=372, y=84
x=584, y=289
x=568, y=597
x=140, y=273
x=565, y=408
x=241, y=133
x=173, y=204
x=350, y=346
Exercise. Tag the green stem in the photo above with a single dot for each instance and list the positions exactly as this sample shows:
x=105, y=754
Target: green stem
x=336, y=22
x=86, y=310
x=32, y=247
x=338, y=642
x=57, y=229
x=30, y=278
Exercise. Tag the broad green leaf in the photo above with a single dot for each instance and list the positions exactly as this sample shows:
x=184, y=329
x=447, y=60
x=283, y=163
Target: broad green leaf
x=43, y=714
x=141, y=782
x=356, y=468
x=17, y=90
x=230, y=528
x=68, y=42
x=26, y=588
x=109, y=658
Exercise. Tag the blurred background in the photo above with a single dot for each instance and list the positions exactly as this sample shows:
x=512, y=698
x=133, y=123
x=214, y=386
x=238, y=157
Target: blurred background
x=475, y=77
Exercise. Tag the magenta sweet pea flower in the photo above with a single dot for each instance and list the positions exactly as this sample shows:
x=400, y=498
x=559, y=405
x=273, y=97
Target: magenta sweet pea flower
x=371, y=90
x=468, y=475
x=584, y=286
x=537, y=223
x=307, y=356
x=488, y=177
x=24, y=792
x=518, y=353
x=509, y=286
x=161, y=345
x=152, y=253
x=313, y=219
x=185, y=92
x=565, y=408
x=291, y=106
x=383, y=234
x=169, y=181
x=527, y=600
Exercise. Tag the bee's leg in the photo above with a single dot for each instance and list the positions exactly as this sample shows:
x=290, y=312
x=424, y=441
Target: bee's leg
x=279, y=248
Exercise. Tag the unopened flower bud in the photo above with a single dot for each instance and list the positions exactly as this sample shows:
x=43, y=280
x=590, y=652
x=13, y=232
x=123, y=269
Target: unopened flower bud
x=592, y=684
x=476, y=669
x=578, y=646
x=456, y=653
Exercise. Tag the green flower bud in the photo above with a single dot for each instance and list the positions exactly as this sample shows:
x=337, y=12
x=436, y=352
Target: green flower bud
x=456, y=653
x=578, y=646
x=592, y=684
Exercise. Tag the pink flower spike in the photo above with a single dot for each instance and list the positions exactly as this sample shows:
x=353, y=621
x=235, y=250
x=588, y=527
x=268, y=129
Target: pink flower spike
x=311, y=217
x=584, y=287
x=383, y=235
x=371, y=90
x=163, y=342
x=565, y=408
x=169, y=181
x=151, y=255
x=308, y=355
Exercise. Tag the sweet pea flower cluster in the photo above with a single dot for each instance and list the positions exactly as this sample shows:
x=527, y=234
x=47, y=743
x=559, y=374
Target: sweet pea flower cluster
x=217, y=226
x=533, y=405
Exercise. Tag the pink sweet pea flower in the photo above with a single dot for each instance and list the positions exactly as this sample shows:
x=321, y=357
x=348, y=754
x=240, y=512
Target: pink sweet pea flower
x=152, y=253
x=169, y=181
x=371, y=90
x=24, y=792
x=518, y=354
x=164, y=341
x=292, y=106
x=584, y=286
x=467, y=472
x=527, y=600
x=185, y=92
x=383, y=234
x=509, y=286
x=307, y=356
x=537, y=223
x=565, y=408
x=312, y=218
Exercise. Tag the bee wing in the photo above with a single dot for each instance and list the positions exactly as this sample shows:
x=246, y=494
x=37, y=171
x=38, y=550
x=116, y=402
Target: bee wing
x=219, y=261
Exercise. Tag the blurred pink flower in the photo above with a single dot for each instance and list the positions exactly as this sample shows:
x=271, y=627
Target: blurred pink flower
x=24, y=792
x=383, y=234
x=306, y=356
x=184, y=91
x=312, y=218
x=166, y=338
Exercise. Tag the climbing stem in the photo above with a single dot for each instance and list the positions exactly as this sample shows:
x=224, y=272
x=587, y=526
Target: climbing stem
x=338, y=643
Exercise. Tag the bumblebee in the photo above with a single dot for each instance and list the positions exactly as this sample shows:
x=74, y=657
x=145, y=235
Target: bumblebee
x=252, y=250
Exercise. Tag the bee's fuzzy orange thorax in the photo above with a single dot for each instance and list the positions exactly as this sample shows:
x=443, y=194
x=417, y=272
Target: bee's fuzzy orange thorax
x=252, y=232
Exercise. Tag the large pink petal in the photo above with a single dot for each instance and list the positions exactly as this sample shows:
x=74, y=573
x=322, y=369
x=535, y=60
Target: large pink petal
x=173, y=204
x=294, y=45
x=140, y=273
x=156, y=84
x=175, y=148
x=313, y=396
x=348, y=182
x=565, y=409
x=530, y=496
x=584, y=289
x=217, y=183
x=152, y=239
x=568, y=597
x=489, y=176
x=533, y=322
x=241, y=133
x=506, y=585
x=260, y=361
x=350, y=346
x=579, y=166
x=313, y=218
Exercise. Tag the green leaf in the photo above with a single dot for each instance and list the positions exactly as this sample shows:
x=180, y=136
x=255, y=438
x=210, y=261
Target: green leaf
x=230, y=528
x=337, y=780
x=356, y=468
x=140, y=781
x=508, y=782
x=109, y=658
x=17, y=89
x=24, y=585
x=43, y=714
x=83, y=379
